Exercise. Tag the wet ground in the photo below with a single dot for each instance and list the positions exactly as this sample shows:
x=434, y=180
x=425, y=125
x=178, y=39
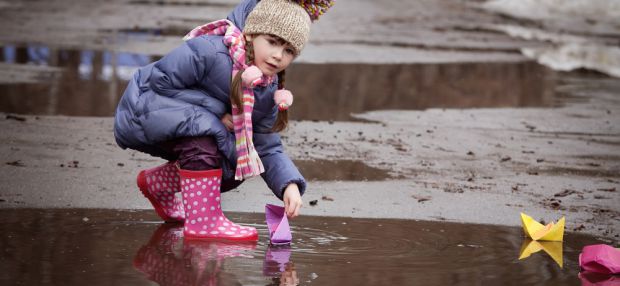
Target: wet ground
x=86, y=88
x=106, y=247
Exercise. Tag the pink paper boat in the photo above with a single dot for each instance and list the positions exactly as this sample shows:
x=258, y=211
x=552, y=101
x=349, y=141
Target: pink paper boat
x=277, y=223
x=600, y=258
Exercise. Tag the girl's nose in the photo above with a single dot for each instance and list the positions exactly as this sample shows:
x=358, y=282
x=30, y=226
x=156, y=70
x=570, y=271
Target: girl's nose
x=277, y=54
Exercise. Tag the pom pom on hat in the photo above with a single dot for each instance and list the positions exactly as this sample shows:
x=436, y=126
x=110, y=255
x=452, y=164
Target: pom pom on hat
x=315, y=8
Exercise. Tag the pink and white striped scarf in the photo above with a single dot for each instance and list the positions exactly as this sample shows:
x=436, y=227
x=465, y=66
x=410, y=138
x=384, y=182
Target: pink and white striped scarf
x=248, y=161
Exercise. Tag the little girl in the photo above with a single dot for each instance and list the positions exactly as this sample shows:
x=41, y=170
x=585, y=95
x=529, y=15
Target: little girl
x=184, y=107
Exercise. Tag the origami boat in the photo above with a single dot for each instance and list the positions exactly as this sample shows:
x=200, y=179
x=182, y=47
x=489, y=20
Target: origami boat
x=600, y=258
x=537, y=231
x=277, y=223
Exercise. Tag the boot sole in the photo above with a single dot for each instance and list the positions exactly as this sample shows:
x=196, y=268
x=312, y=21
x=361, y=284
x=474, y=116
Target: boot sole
x=141, y=181
x=222, y=239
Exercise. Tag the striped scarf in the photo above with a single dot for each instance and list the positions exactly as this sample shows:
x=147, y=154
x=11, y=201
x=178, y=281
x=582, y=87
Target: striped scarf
x=248, y=161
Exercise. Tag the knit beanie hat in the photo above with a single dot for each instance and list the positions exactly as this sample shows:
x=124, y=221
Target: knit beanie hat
x=287, y=19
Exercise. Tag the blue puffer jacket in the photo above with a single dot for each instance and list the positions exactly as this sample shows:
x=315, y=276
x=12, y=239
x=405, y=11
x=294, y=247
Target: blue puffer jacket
x=185, y=94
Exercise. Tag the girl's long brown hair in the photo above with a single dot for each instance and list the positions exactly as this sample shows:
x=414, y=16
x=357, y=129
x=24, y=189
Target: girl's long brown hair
x=236, y=94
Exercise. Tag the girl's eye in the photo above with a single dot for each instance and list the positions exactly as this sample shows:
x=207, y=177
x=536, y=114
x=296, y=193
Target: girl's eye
x=271, y=41
x=290, y=51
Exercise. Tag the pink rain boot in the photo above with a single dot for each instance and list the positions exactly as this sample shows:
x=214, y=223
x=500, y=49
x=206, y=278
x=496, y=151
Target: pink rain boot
x=204, y=218
x=159, y=185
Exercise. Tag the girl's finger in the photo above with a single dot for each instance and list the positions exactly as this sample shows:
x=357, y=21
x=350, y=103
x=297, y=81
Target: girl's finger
x=290, y=210
x=293, y=210
x=297, y=207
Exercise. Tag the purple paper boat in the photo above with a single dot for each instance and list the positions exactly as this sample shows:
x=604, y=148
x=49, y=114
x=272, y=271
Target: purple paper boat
x=277, y=223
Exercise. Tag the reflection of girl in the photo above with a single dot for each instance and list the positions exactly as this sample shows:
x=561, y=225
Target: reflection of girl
x=167, y=259
x=179, y=108
x=277, y=265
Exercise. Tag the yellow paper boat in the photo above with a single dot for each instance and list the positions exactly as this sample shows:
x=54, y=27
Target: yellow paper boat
x=537, y=231
x=553, y=248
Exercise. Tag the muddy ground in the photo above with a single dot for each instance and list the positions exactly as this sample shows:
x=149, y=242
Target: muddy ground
x=474, y=165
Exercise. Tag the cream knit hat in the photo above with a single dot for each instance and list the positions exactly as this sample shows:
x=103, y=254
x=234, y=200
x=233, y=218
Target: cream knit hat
x=283, y=18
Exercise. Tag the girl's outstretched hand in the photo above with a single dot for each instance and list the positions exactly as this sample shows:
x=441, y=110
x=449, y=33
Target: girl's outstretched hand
x=292, y=200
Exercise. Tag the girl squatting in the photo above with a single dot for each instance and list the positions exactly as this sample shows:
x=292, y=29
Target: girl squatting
x=213, y=108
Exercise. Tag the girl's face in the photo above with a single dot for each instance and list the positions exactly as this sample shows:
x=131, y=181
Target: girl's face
x=271, y=53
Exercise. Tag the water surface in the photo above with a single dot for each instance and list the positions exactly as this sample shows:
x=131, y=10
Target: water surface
x=50, y=81
x=109, y=247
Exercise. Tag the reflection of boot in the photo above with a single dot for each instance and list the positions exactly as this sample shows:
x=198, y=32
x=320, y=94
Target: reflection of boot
x=201, y=251
x=204, y=218
x=205, y=257
x=157, y=261
x=159, y=185
x=276, y=259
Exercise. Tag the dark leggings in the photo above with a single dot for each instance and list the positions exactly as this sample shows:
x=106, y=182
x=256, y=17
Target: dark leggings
x=198, y=153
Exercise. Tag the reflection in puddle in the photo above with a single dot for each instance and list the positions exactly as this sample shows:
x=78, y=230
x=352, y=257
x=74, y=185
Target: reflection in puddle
x=568, y=171
x=68, y=247
x=552, y=248
x=340, y=170
x=181, y=3
x=343, y=89
x=168, y=259
x=90, y=83
x=591, y=278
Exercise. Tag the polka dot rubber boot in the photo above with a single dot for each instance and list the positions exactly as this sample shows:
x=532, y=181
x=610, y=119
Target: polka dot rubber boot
x=204, y=218
x=159, y=185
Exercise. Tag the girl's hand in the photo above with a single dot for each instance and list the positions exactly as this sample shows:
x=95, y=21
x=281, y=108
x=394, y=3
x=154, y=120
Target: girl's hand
x=292, y=200
x=228, y=121
x=289, y=275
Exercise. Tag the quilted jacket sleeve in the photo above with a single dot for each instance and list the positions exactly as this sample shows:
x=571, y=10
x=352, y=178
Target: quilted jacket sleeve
x=280, y=171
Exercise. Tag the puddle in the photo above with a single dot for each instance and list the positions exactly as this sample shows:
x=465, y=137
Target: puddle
x=340, y=170
x=357, y=88
x=90, y=83
x=183, y=3
x=108, y=247
x=567, y=171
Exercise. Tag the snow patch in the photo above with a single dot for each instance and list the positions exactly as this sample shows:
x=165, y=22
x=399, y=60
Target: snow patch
x=573, y=56
x=575, y=34
x=601, y=10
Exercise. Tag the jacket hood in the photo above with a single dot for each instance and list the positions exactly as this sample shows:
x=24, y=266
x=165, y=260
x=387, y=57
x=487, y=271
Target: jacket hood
x=241, y=12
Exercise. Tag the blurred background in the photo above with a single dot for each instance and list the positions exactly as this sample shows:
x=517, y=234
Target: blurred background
x=65, y=57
